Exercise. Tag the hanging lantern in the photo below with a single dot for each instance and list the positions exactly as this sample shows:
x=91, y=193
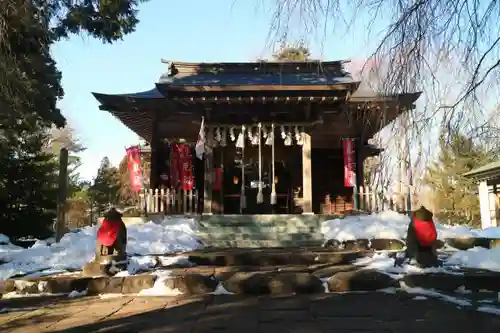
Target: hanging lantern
x=264, y=132
x=232, y=136
x=270, y=137
x=218, y=135
x=236, y=180
x=240, y=141
x=283, y=133
x=273, y=197
x=299, y=136
x=255, y=138
x=288, y=139
x=260, y=195
x=210, y=138
x=250, y=135
x=296, y=133
x=223, y=139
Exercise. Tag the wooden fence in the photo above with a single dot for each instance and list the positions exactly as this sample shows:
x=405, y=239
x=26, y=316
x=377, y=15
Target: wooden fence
x=169, y=201
x=369, y=200
x=172, y=202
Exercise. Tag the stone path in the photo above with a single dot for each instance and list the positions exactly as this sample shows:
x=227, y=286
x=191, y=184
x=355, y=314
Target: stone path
x=354, y=312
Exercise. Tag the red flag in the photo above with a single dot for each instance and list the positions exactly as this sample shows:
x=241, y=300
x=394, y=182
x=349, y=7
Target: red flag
x=181, y=167
x=134, y=168
x=349, y=173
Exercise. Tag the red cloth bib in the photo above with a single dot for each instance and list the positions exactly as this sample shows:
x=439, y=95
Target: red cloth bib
x=108, y=232
x=426, y=232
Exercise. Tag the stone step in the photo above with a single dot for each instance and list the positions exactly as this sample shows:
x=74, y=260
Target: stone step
x=263, y=243
x=251, y=280
x=241, y=271
x=258, y=257
x=275, y=280
x=205, y=236
x=256, y=229
x=264, y=220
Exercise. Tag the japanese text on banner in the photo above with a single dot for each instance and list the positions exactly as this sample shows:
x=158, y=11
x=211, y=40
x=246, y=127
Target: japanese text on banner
x=134, y=168
x=349, y=173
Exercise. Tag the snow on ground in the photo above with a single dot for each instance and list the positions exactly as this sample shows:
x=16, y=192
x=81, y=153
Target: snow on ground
x=159, y=288
x=77, y=248
x=391, y=225
x=178, y=235
x=477, y=257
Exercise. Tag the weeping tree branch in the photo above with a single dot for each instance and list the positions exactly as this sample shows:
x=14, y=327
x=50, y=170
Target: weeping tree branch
x=420, y=39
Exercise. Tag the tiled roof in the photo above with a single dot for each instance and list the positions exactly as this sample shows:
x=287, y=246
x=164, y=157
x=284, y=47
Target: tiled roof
x=255, y=79
x=489, y=170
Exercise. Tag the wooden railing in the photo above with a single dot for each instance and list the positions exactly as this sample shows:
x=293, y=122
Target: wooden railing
x=173, y=202
x=169, y=201
x=369, y=200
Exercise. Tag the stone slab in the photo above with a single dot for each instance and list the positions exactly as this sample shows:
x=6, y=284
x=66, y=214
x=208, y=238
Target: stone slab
x=474, y=281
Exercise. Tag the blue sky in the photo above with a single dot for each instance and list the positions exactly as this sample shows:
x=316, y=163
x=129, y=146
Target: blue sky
x=187, y=30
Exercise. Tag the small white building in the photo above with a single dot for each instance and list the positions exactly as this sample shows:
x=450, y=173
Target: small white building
x=488, y=177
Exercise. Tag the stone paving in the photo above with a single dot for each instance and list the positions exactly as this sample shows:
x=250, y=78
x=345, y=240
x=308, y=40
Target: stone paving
x=353, y=312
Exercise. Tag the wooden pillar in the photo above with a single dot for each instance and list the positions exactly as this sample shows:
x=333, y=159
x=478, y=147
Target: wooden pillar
x=154, y=177
x=207, y=185
x=484, y=205
x=306, y=175
x=359, y=160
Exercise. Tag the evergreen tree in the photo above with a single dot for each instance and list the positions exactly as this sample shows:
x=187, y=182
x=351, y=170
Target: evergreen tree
x=455, y=196
x=105, y=188
x=30, y=86
x=28, y=195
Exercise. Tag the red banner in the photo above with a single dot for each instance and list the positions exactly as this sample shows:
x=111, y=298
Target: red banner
x=181, y=167
x=349, y=172
x=134, y=168
x=217, y=185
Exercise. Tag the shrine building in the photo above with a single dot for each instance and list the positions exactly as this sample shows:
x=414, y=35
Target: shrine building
x=275, y=134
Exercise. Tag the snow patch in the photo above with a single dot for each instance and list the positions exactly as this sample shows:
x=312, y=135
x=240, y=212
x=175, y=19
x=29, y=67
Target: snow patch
x=392, y=225
x=159, y=288
x=77, y=248
x=477, y=257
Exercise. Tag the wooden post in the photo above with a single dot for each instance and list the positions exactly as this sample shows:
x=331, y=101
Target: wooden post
x=207, y=192
x=359, y=169
x=62, y=193
x=154, y=176
x=306, y=175
x=484, y=205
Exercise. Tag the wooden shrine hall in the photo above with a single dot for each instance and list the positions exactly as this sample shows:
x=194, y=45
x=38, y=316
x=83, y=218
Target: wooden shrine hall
x=273, y=132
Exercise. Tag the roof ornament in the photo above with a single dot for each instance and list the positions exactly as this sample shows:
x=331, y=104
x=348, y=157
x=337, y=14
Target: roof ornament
x=172, y=70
